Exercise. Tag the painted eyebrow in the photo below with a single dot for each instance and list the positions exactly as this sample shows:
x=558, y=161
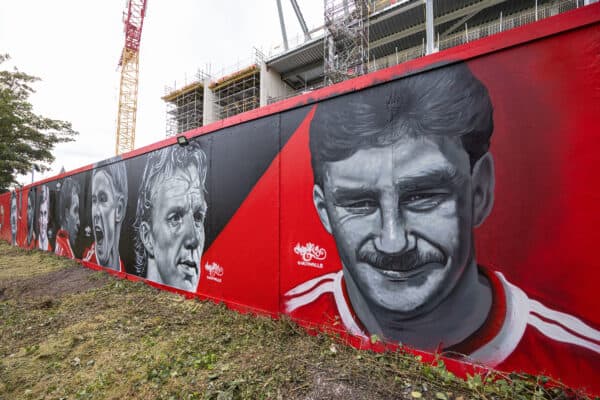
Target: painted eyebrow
x=342, y=193
x=446, y=177
x=175, y=209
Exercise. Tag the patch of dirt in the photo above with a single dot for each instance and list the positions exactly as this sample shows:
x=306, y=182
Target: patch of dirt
x=52, y=285
x=326, y=385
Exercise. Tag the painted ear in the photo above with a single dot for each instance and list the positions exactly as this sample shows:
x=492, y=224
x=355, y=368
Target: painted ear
x=483, y=180
x=146, y=238
x=320, y=206
x=120, y=213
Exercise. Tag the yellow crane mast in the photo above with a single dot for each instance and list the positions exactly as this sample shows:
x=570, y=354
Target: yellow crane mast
x=133, y=19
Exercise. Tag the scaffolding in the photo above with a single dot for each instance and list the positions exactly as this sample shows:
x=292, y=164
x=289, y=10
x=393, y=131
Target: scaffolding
x=346, y=40
x=185, y=106
x=238, y=92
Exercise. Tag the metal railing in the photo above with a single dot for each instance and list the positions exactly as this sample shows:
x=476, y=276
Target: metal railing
x=473, y=33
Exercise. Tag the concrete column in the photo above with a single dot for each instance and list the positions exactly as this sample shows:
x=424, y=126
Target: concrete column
x=429, y=27
x=271, y=85
x=209, y=108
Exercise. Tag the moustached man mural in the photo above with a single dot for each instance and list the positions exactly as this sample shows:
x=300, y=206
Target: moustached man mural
x=402, y=177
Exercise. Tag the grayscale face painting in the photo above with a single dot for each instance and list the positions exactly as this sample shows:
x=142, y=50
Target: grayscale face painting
x=170, y=217
x=13, y=218
x=71, y=221
x=31, y=216
x=109, y=201
x=401, y=194
x=43, y=243
x=400, y=215
x=69, y=213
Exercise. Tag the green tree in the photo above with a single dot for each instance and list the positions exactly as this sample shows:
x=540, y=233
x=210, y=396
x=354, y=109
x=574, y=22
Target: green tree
x=26, y=139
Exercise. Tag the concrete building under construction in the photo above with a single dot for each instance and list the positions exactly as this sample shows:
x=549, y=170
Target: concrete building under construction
x=356, y=37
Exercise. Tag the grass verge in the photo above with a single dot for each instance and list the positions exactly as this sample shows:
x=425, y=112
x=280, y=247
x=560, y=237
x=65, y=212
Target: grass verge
x=71, y=333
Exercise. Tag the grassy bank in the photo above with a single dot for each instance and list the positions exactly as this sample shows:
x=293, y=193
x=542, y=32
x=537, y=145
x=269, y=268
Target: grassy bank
x=68, y=332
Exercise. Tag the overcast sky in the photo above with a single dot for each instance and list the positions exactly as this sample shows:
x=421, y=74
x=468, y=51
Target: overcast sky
x=74, y=47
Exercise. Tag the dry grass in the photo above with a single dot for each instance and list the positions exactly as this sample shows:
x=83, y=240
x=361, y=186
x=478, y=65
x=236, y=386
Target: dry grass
x=97, y=337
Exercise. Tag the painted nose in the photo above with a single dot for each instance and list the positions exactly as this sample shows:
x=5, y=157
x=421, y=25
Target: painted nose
x=393, y=237
x=95, y=213
x=192, y=238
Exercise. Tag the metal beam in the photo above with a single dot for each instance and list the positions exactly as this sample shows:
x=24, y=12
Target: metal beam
x=458, y=23
x=300, y=19
x=440, y=20
x=385, y=14
x=282, y=23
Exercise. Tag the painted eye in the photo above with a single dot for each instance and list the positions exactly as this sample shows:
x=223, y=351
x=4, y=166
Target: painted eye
x=174, y=219
x=363, y=206
x=199, y=217
x=420, y=202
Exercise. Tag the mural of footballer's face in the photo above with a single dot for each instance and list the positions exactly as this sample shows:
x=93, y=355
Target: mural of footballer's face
x=43, y=218
x=107, y=210
x=13, y=218
x=30, y=218
x=402, y=217
x=174, y=238
x=71, y=223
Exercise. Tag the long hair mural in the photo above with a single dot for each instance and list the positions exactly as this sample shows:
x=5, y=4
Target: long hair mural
x=447, y=205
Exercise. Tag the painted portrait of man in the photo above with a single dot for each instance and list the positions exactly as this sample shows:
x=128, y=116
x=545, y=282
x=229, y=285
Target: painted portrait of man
x=14, y=212
x=31, y=236
x=43, y=218
x=109, y=204
x=403, y=174
x=170, y=215
x=68, y=215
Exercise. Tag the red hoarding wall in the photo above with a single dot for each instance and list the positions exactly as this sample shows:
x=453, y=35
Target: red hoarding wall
x=448, y=204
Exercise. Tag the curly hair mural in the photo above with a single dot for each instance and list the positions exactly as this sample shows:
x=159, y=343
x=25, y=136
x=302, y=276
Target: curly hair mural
x=171, y=209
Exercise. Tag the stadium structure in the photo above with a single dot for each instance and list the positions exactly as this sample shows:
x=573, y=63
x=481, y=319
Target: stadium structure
x=356, y=37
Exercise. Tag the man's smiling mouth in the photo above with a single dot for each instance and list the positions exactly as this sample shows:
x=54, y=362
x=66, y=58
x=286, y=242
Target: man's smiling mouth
x=401, y=276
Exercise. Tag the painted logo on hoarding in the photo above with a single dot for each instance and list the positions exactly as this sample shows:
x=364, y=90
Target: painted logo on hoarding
x=310, y=252
x=215, y=271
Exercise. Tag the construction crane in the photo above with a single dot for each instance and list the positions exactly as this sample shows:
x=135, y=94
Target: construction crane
x=133, y=20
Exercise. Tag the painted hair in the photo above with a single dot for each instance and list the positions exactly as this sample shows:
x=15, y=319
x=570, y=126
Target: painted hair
x=162, y=164
x=446, y=101
x=115, y=168
x=44, y=194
